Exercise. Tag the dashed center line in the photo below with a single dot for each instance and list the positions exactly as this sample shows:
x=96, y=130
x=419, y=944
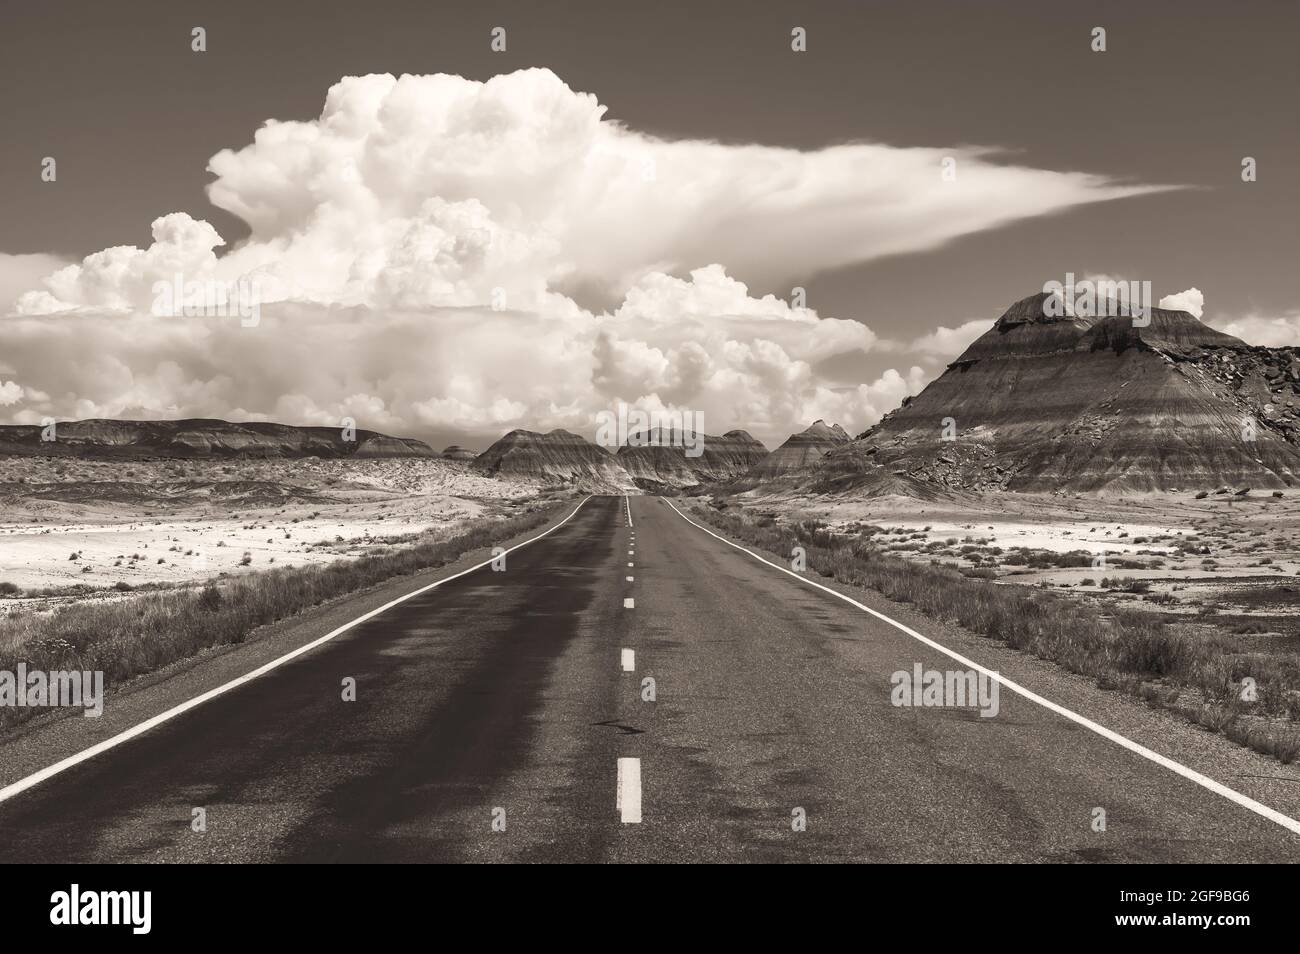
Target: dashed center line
x=628, y=799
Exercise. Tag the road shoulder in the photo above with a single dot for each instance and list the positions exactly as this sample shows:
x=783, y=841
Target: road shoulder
x=49, y=738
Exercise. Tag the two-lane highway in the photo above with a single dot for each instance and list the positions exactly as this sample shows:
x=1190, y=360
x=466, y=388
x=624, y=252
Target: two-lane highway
x=628, y=688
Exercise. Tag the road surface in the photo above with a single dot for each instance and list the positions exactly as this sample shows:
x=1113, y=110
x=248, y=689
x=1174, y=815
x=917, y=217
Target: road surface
x=503, y=717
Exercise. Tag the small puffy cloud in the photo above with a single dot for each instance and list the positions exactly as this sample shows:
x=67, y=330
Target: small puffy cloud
x=706, y=344
x=1276, y=331
x=22, y=273
x=1190, y=301
x=856, y=409
x=122, y=278
x=944, y=344
x=10, y=393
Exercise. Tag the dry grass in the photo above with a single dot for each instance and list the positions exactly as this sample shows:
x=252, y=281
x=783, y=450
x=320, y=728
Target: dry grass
x=1133, y=650
x=136, y=635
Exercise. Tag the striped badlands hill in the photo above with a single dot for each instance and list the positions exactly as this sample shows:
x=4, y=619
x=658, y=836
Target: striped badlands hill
x=558, y=457
x=800, y=451
x=1047, y=403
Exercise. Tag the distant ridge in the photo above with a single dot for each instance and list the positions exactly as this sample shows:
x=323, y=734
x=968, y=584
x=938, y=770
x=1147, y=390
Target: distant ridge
x=660, y=460
x=558, y=457
x=202, y=438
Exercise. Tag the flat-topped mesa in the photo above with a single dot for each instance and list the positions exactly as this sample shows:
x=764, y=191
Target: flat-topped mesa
x=1175, y=333
x=1032, y=310
x=1047, y=402
x=456, y=452
x=1029, y=326
x=559, y=457
x=660, y=459
x=203, y=438
x=800, y=451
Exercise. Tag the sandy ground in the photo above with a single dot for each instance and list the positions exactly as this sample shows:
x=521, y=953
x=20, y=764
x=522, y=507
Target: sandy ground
x=1222, y=554
x=101, y=524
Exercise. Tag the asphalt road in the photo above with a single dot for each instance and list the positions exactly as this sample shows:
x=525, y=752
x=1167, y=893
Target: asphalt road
x=502, y=697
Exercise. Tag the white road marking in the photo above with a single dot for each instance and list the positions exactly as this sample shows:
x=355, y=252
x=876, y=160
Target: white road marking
x=1245, y=801
x=628, y=500
x=629, y=564
x=629, y=579
x=22, y=785
x=629, y=552
x=629, y=603
x=629, y=660
x=628, y=799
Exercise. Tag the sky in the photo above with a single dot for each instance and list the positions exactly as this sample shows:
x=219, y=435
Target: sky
x=447, y=241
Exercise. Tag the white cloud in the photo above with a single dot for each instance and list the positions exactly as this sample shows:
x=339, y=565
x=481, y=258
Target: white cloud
x=417, y=247
x=10, y=393
x=1278, y=331
x=21, y=273
x=944, y=344
x=1190, y=301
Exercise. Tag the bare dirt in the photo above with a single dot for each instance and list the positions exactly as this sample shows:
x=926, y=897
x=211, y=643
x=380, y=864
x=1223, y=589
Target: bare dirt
x=1228, y=562
x=108, y=525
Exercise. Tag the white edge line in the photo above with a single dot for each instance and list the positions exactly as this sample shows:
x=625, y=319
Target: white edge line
x=22, y=785
x=1245, y=801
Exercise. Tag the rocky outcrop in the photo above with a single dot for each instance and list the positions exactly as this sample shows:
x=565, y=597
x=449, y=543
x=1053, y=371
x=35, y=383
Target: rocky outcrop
x=800, y=451
x=555, y=458
x=203, y=438
x=660, y=460
x=456, y=452
x=1044, y=403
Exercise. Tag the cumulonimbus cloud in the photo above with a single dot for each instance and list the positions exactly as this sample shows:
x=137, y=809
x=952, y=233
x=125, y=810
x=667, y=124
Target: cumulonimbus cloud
x=418, y=249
